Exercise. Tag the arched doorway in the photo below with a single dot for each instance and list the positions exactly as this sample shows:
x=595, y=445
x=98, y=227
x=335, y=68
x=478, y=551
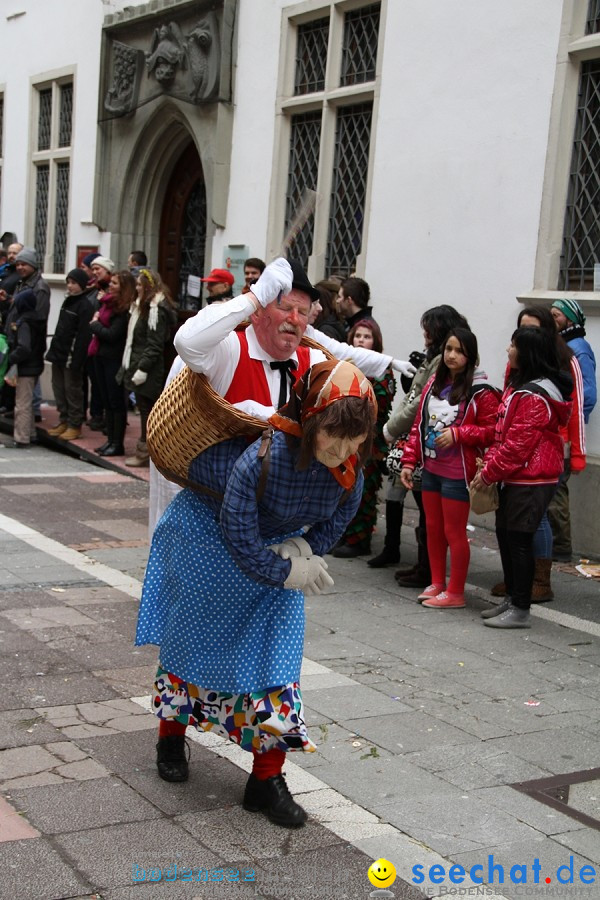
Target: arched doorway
x=183, y=229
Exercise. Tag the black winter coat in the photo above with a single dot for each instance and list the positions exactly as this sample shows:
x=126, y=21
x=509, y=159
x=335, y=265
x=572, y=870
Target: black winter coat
x=26, y=337
x=148, y=353
x=112, y=337
x=72, y=336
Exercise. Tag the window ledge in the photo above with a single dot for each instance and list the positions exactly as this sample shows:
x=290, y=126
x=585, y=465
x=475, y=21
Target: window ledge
x=588, y=300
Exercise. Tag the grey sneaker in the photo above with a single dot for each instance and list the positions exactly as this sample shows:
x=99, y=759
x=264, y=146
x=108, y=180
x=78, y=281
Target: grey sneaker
x=512, y=618
x=496, y=610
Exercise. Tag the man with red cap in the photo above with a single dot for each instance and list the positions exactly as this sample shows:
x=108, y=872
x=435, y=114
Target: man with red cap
x=219, y=284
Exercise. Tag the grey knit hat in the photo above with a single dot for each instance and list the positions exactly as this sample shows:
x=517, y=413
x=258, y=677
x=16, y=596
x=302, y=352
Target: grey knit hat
x=105, y=262
x=28, y=255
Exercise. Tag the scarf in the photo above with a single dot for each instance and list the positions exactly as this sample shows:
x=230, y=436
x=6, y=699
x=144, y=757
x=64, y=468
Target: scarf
x=319, y=387
x=133, y=320
x=105, y=314
x=571, y=332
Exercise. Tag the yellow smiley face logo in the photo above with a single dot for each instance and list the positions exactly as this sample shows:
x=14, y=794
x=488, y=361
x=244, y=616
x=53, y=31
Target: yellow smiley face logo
x=381, y=873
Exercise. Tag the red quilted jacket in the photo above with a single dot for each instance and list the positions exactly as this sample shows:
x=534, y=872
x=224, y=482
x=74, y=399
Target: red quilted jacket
x=475, y=432
x=527, y=443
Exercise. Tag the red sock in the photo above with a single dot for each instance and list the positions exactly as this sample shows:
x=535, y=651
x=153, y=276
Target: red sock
x=170, y=728
x=267, y=764
x=456, y=515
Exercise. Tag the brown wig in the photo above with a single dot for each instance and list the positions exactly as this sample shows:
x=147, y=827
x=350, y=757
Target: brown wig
x=375, y=330
x=463, y=382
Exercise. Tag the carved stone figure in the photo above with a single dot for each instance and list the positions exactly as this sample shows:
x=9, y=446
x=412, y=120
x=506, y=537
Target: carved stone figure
x=203, y=53
x=121, y=97
x=166, y=54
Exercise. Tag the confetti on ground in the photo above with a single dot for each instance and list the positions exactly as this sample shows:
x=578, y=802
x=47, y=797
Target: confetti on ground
x=532, y=702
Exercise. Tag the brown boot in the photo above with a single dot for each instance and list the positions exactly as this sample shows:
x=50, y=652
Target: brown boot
x=499, y=590
x=70, y=434
x=58, y=429
x=542, y=589
x=141, y=458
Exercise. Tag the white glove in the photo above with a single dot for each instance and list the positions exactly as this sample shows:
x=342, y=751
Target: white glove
x=308, y=575
x=404, y=367
x=387, y=436
x=139, y=377
x=275, y=280
x=295, y=546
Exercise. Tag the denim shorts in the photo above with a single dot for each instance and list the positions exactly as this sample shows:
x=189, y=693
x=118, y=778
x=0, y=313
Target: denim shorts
x=449, y=488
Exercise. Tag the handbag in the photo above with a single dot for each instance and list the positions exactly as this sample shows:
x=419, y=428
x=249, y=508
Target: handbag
x=486, y=499
x=393, y=460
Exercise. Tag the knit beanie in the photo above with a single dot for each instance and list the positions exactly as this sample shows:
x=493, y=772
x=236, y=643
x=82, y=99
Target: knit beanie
x=79, y=276
x=569, y=308
x=105, y=262
x=28, y=255
x=89, y=259
x=25, y=301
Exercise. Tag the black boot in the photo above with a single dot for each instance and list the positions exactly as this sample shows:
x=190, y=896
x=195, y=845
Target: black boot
x=350, y=551
x=110, y=429
x=273, y=797
x=171, y=758
x=390, y=555
x=115, y=447
x=419, y=575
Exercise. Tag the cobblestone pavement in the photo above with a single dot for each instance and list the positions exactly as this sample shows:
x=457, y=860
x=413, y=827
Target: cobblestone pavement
x=423, y=721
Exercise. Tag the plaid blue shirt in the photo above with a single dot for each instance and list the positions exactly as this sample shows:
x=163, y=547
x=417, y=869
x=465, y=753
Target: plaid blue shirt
x=292, y=500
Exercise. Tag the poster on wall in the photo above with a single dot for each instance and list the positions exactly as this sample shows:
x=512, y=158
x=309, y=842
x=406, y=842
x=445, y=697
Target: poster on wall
x=83, y=250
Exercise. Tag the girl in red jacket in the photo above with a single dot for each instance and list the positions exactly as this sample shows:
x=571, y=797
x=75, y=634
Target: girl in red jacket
x=454, y=423
x=527, y=459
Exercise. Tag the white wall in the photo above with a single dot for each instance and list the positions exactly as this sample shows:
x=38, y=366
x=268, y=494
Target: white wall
x=460, y=153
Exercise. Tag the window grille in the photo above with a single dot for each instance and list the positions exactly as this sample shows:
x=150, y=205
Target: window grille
x=66, y=115
x=41, y=208
x=193, y=239
x=305, y=141
x=593, y=17
x=359, y=48
x=45, y=119
x=581, y=238
x=311, y=56
x=61, y=216
x=347, y=209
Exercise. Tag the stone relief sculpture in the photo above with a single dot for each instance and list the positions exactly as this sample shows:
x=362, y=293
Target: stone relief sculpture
x=166, y=54
x=122, y=96
x=183, y=61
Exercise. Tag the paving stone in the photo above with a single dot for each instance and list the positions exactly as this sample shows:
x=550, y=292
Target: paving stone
x=14, y=827
x=479, y=765
x=47, y=617
x=54, y=690
x=556, y=751
x=32, y=869
x=550, y=854
x=20, y=727
x=65, y=808
x=89, y=596
x=340, y=703
x=165, y=891
x=584, y=841
x=245, y=837
x=543, y=818
x=42, y=660
x=106, y=856
x=464, y=823
x=25, y=761
x=213, y=782
x=410, y=731
x=130, y=681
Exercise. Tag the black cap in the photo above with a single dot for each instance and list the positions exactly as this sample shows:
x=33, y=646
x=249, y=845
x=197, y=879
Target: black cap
x=301, y=282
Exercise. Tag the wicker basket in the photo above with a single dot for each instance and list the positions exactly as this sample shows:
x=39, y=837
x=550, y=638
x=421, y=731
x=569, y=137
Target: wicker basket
x=189, y=416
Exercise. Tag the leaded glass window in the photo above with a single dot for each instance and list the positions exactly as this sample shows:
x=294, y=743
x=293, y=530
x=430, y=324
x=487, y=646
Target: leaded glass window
x=66, y=115
x=305, y=139
x=311, y=56
x=45, y=119
x=61, y=217
x=593, y=17
x=359, y=49
x=41, y=208
x=349, y=189
x=581, y=238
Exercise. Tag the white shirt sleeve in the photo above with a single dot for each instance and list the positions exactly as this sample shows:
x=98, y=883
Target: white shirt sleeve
x=370, y=363
x=207, y=343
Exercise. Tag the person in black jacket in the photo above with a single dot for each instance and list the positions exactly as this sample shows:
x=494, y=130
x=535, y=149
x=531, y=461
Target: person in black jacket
x=26, y=336
x=68, y=355
x=109, y=332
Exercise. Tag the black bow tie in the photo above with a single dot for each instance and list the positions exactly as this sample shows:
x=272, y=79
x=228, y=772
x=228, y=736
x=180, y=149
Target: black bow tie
x=286, y=368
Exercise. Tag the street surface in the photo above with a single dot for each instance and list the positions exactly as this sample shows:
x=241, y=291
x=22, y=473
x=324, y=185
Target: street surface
x=423, y=720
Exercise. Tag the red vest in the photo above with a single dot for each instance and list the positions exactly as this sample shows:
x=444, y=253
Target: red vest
x=250, y=382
